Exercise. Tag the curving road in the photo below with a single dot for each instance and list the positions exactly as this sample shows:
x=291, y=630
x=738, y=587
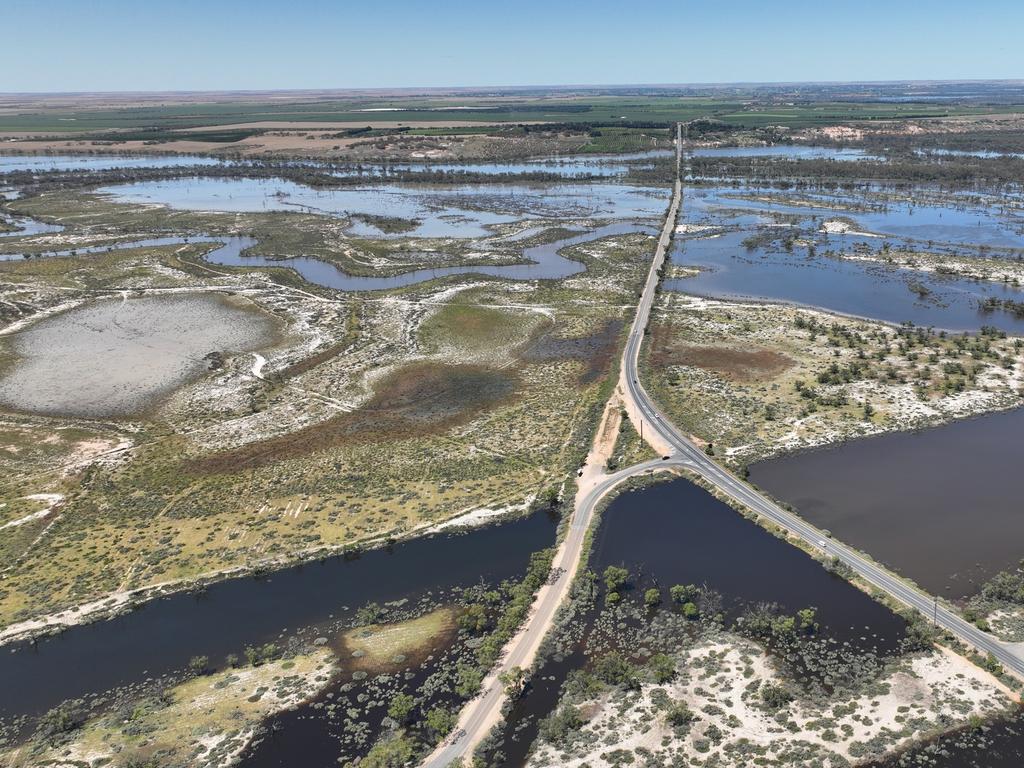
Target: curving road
x=685, y=452
x=481, y=714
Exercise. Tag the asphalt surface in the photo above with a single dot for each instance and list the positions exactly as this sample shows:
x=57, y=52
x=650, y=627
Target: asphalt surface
x=481, y=713
x=692, y=457
x=686, y=453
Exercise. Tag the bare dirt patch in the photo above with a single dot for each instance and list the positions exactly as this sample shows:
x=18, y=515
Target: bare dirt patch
x=416, y=399
x=379, y=647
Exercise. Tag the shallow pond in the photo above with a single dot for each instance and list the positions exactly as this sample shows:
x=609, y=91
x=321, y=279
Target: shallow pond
x=941, y=506
x=162, y=635
x=118, y=357
x=458, y=212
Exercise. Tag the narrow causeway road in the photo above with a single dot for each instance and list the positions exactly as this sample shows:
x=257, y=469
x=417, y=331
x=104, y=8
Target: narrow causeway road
x=482, y=713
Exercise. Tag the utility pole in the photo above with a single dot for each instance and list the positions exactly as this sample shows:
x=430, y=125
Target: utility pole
x=935, y=612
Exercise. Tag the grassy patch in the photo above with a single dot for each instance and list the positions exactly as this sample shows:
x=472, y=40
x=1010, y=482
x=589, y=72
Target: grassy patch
x=478, y=330
x=199, y=722
x=380, y=646
x=416, y=399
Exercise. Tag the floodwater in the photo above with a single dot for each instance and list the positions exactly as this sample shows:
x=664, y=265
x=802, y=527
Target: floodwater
x=677, y=533
x=545, y=261
x=40, y=163
x=941, y=506
x=863, y=288
x=117, y=357
x=162, y=635
x=564, y=165
x=923, y=222
x=457, y=212
x=790, y=151
x=23, y=226
x=149, y=242
x=545, y=264
x=26, y=227
x=983, y=153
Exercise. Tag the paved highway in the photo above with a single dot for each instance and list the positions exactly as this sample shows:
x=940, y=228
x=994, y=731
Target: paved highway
x=482, y=713
x=685, y=452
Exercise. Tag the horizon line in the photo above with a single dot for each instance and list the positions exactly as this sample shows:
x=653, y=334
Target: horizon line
x=560, y=86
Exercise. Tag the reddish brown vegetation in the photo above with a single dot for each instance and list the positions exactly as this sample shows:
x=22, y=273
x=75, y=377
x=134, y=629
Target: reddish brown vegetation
x=745, y=364
x=597, y=350
x=418, y=399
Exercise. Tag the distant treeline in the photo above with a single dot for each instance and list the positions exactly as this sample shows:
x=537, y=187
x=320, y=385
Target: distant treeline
x=944, y=169
x=163, y=135
x=318, y=177
x=999, y=141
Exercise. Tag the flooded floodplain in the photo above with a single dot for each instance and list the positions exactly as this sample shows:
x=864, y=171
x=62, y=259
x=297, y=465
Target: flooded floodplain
x=118, y=357
x=953, y=221
x=941, y=506
x=459, y=212
x=740, y=258
x=44, y=163
x=562, y=165
x=568, y=166
x=544, y=262
x=788, y=151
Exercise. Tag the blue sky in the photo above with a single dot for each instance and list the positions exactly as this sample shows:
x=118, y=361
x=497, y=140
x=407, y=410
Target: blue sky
x=74, y=45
